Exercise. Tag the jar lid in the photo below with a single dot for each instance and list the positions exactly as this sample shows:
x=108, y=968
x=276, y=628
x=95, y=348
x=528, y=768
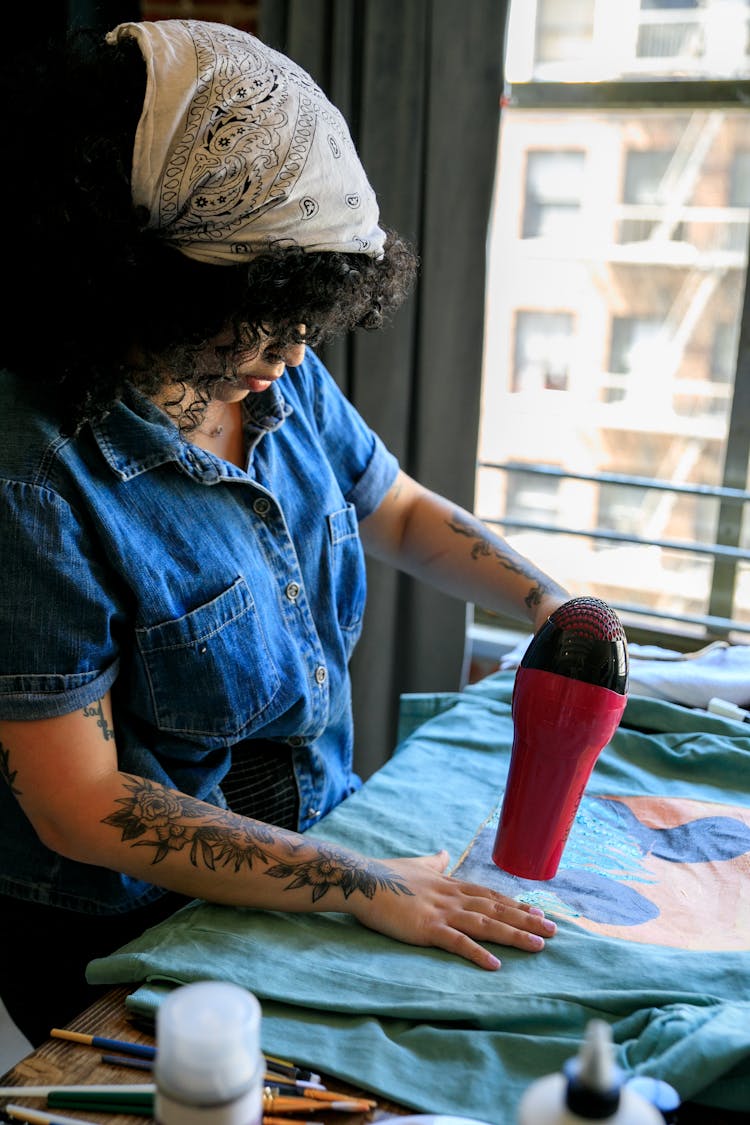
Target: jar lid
x=208, y=1042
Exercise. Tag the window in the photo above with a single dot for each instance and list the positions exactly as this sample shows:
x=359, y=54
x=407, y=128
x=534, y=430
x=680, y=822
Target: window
x=532, y=496
x=739, y=199
x=631, y=338
x=647, y=182
x=672, y=32
x=613, y=449
x=553, y=194
x=561, y=26
x=542, y=351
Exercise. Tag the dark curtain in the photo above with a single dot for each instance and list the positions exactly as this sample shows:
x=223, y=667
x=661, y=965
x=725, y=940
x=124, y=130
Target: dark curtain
x=419, y=82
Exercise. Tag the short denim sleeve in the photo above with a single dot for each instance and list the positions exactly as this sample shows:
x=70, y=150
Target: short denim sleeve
x=56, y=617
x=364, y=467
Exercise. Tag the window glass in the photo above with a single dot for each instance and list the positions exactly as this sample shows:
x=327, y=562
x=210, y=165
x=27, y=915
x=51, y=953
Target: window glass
x=542, y=351
x=595, y=40
x=552, y=194
x=617, y=269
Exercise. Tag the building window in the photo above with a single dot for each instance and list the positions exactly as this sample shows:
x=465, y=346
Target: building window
x=533, y=497
x=552, y=203
x=542, y=351
x=561, y=26
x=647, y=188
x=623, y=195
x=672, y=32
x=632, y=336
x=739, y=200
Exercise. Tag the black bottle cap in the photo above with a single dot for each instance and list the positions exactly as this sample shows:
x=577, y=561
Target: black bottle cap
x=585, y=1101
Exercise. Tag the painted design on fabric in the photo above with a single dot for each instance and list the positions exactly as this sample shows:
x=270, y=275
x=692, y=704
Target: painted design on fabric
x=658, y=870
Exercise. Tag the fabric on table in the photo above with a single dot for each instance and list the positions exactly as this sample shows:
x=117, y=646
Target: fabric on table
x=691, y=679
x=439, y=1035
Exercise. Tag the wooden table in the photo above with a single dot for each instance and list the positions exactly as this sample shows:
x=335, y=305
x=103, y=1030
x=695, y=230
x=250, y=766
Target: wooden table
x=60, y=1062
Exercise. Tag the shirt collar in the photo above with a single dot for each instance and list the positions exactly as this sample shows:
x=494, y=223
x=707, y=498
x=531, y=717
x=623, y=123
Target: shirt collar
x=136, y=436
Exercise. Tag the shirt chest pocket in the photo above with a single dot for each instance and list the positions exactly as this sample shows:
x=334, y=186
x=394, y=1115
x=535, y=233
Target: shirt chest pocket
x=210, y=672
x=349, y=573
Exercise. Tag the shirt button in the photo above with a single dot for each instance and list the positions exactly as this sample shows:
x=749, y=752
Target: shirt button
x=292, y=591
x=261, y=506
x=321, y=674
x=313, y=813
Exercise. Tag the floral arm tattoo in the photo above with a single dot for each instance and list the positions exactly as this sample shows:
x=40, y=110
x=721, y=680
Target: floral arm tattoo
x=483, y=547
x=166, y=821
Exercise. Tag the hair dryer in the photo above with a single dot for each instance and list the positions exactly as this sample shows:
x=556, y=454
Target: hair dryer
x=568, y=698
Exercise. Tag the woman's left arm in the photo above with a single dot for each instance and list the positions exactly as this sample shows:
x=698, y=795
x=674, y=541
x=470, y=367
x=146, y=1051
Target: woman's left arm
x=438, y=542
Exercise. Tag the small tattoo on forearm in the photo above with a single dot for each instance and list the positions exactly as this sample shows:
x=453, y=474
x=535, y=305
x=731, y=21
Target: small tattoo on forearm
x=483, y=548
x=96, y=711
x=535, y=595
x=8, y=775
x=159, y=818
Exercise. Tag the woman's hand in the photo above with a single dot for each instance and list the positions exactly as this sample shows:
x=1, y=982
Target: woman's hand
x=437, y=910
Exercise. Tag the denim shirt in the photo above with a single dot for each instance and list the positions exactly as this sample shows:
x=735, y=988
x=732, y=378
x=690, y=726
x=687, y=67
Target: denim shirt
x=217, y=604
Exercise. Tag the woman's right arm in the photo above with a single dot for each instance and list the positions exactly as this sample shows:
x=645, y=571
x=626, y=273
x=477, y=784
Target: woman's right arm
x=64, y=773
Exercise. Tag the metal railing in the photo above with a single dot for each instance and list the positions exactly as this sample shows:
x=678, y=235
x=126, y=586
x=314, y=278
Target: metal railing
x=715, y=625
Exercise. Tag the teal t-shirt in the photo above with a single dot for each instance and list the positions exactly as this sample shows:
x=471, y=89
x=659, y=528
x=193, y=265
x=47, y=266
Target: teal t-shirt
x=652, y=901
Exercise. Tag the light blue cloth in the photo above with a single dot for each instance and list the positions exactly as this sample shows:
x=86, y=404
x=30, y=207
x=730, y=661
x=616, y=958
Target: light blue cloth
x=435, y=1033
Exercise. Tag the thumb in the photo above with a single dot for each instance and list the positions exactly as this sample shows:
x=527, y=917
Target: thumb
x=436, y=862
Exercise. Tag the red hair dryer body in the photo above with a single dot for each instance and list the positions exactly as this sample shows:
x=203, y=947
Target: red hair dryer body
x=568, y=698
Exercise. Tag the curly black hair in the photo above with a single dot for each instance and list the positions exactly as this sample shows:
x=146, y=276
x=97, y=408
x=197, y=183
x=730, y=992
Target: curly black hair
x=88, y=282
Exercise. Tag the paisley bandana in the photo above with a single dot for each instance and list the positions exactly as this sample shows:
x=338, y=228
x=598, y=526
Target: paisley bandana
x=238, y=148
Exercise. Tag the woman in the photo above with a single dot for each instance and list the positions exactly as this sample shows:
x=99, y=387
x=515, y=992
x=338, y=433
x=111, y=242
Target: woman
x=185, y=498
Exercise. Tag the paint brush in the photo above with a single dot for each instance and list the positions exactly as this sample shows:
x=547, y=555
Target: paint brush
x=44, y=1091
x=277, y=1089
x=128, y=1060
x=276, y=1105
x=141, y=1050
x=113, y=1102
x=286, y=1121
x=280, y=1067
x=39, y=1116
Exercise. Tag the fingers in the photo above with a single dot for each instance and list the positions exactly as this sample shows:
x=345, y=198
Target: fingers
x=466, y=928
x=460, y=944
x=464, y=937
x=485, y=920
x=460, y=918
x=518, y=916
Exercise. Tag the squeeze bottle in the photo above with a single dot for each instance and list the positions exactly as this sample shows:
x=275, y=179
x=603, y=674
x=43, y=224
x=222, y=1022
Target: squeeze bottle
x=209, y=1066
x=589, y=1089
